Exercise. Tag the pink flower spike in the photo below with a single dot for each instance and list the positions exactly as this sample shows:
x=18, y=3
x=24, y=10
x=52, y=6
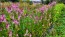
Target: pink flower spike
x=19, y=17
x=42, y=9
x=9, y=9
x=52, y=4
x=0, y=29
x=14, y=6
x=2, y=18
x=7, y=26
x=20, y=11
x=36, y=17
x=15, y=22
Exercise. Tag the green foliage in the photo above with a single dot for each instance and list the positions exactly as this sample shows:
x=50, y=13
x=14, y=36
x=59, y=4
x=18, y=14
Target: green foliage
x=59, y=7
x=57, y=11
x=58, y=20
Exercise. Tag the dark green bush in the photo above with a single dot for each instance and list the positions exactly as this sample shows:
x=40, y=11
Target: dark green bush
x=9, y=0
x=3, y=0
x=61, y=1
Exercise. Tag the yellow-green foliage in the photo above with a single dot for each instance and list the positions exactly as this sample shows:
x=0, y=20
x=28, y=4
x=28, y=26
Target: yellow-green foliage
x=57, y=11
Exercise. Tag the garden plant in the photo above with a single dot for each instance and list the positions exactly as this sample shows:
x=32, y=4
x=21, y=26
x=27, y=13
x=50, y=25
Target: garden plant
x=27, y=20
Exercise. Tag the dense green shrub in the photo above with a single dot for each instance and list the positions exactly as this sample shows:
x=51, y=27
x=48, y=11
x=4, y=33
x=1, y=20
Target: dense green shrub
x=58, y=15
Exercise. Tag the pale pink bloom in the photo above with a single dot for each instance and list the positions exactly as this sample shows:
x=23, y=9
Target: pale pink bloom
x=10, y=33
x=45, y=7
x=36, y=17
x=16, y=35
x=26, y=34
x=19, y=17
x=12, y=16
x=15, y=22
x=1, y=18
x=30, y=35
x=41, y=17
x=53, y=3
x=30, y=16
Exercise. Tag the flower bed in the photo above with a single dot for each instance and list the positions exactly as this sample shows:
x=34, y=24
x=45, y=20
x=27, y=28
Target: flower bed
x=17, y=21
